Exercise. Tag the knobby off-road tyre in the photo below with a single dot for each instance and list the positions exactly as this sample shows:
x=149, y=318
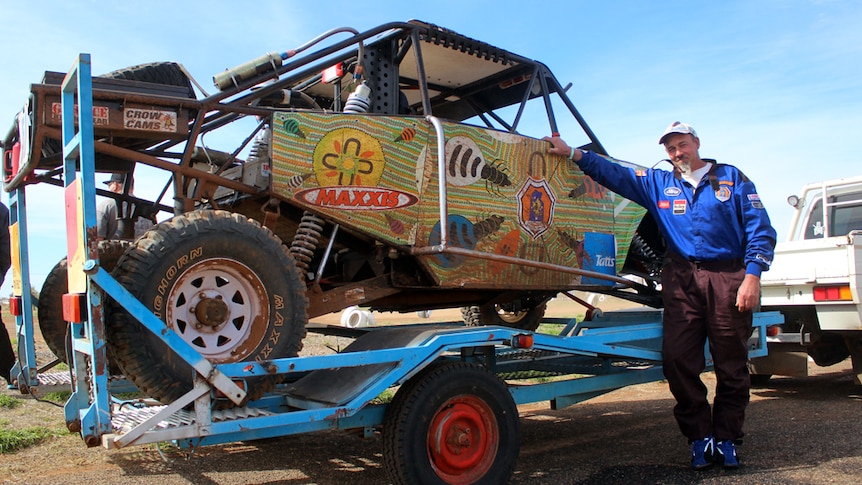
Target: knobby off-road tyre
x=493, y=314
x=222, y=283
x=453, y=423
x=165, y=73
x=50, y=304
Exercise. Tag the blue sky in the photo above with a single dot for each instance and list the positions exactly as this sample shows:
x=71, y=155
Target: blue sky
x=772, y=86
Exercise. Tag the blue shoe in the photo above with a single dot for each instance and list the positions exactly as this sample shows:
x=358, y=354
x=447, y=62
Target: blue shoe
x=725, y=454
x=702, y=452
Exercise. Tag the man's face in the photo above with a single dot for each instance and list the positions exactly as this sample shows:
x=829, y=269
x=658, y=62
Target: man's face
x=682, y=149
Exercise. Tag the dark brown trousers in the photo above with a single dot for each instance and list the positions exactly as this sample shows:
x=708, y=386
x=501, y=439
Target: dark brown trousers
x=7, y=355
x=700, y=306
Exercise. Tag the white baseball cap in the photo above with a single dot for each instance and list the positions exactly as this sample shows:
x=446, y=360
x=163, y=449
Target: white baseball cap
x=677, y=127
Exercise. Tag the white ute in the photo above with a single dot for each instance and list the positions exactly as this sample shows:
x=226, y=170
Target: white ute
x=815, y=281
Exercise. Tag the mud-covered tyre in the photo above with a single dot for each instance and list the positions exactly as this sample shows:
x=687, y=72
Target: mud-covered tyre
x=222, y=283
x=50, y=304
x=504, y=315
x=454, y=422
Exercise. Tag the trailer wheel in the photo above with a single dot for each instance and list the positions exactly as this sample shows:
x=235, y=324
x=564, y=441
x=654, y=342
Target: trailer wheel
x=454, y=423
x=222, y=283
x=505, y=315
x=50, y=304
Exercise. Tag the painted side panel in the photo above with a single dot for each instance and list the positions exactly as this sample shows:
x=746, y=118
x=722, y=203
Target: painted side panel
x=506, y=195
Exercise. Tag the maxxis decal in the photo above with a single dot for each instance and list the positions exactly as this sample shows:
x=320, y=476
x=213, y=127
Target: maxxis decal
x=170, y=275
x=357, y=198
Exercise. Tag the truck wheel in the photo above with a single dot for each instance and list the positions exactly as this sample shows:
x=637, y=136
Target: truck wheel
x=827, y=348
x=50, y=304
x=504, y=315
x=222, y=283
x=758, y=380
x=453, y=423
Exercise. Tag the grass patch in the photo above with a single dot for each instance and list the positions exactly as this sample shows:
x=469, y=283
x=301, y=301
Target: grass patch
x=16, y=439
x=550, y=328
x=8, y=402
x=385, y=397
x=58, y=397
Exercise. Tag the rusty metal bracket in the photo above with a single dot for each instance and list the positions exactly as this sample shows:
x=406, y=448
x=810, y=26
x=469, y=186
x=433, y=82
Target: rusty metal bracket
x=271, y=213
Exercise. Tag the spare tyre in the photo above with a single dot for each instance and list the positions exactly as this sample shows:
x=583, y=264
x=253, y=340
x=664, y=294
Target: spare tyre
x=50, y=304
x=165, y=73
x=224, y=284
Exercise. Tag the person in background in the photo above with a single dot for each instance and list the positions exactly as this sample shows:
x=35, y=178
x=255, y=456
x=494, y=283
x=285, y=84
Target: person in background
x=108, y=214
x=719, y=240
x=7, y=354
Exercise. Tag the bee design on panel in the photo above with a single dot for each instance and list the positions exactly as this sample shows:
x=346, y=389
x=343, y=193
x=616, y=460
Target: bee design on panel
x=589, y=188
x=575, y=243
x=291, y=126
x=464, y=234
x=465, y=165
x=488, y=226
x=395, y=225
x=407, y=134
x=296, y=181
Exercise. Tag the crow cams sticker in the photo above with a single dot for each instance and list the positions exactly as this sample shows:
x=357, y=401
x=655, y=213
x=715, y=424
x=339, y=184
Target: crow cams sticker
x=150, y=120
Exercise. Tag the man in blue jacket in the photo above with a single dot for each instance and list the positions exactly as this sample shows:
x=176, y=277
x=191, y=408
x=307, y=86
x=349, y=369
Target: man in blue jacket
x=719, y=240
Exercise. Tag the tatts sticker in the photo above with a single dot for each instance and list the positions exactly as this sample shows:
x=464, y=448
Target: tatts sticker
x=679, y=207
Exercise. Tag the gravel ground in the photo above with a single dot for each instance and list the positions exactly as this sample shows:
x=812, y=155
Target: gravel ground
x=799, y=431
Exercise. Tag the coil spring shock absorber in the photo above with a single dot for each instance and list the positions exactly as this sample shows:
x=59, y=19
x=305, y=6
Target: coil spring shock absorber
x=260, y=148
x=305, y=241
x=359, y=101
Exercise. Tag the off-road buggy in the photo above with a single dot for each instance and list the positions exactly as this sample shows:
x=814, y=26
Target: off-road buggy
x=399, y=169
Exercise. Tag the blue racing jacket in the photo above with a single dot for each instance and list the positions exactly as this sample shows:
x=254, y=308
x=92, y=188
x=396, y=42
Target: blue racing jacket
x=720, y=219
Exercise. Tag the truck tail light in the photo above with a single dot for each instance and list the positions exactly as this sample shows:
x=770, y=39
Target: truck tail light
x=833, y=293
x=75, y=307
x=11, y=161
x=773, y=330
x=15, y=304
x=522, y=341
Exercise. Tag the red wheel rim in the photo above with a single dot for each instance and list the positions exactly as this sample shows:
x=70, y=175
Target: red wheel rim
x=463, y=440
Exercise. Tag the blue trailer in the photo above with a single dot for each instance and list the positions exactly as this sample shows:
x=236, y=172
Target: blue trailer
x=453, y=417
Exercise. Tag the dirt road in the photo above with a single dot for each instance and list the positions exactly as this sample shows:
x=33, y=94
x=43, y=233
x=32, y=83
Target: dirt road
x=799, y=431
